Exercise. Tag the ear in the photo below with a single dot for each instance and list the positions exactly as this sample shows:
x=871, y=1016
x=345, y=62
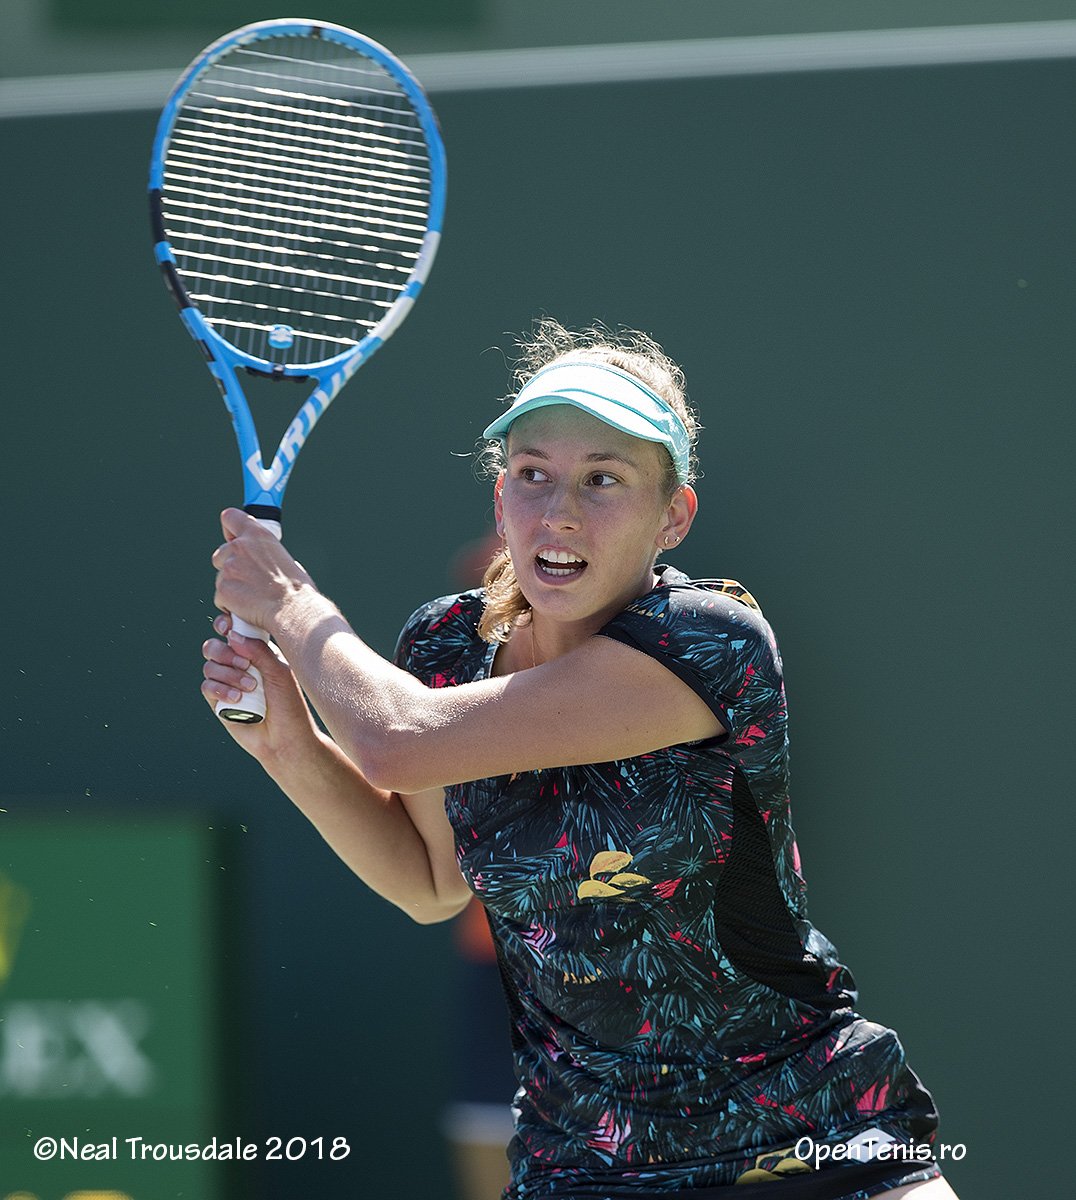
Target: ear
x=498, y=504
x=679, y=515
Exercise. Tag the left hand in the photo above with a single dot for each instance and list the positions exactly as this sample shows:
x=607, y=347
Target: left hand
x=289, y=728
x=256, y=576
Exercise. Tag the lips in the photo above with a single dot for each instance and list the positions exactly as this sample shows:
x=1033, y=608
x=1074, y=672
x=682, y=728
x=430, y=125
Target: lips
x=559, y=564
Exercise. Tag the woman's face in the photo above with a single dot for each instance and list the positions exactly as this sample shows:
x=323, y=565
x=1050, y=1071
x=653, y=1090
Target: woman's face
x=583, y=509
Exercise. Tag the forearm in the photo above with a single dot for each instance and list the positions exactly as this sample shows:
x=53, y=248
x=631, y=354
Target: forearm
x=370, y=830
x=368, y=705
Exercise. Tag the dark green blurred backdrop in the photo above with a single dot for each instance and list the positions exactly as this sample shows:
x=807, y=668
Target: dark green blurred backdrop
x=868, y=277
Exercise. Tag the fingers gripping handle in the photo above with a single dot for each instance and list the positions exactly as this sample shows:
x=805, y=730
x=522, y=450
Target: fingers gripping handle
x=251, y=708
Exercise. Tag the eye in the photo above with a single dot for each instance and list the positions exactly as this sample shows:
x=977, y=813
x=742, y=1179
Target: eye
x=602, y=479
x=533, y=474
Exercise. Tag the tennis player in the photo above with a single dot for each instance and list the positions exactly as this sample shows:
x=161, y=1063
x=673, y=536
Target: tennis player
x=597, y=747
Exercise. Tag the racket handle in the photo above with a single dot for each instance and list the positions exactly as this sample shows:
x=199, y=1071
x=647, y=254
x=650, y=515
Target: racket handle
x=251, y=708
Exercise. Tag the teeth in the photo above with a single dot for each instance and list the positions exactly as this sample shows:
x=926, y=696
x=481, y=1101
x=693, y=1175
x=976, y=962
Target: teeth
x=560, y=562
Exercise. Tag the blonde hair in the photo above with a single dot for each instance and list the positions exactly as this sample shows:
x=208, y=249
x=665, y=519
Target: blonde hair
x=549, y=341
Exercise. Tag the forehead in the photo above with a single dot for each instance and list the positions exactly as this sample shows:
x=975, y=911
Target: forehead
x=566, y=430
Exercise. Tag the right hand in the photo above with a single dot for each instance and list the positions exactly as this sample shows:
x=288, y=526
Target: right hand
x=256, y=575
x=226, y=677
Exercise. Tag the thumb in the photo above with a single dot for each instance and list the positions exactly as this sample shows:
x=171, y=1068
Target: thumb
x=257, y=652
x=233, y=521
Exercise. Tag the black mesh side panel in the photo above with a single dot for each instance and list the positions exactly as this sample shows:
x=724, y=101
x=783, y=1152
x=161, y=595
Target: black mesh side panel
x=753, y=923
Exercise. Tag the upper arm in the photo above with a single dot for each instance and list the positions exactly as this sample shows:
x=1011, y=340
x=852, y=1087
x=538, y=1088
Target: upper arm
x=427, y=812
x=603, y=701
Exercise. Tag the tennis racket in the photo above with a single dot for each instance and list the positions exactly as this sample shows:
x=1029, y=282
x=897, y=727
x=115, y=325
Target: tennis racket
x=297, y=189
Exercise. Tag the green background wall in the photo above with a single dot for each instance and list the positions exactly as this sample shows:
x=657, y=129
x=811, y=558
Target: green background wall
x=868, y=277
x=109, y=1023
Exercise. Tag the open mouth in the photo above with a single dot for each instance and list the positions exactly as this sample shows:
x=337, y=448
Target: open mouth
x=560, y=564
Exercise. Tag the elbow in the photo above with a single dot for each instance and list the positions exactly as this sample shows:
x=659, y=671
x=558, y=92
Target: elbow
x=394, y=764
x=394, y=749
x=433, y=913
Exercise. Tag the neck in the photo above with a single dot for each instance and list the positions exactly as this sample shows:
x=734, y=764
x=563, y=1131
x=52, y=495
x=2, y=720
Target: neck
x=550, y=638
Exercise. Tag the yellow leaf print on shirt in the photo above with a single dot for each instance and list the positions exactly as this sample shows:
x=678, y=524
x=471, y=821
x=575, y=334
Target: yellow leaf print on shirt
x=616, y=882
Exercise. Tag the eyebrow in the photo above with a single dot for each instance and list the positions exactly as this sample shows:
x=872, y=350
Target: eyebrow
x=599, y=456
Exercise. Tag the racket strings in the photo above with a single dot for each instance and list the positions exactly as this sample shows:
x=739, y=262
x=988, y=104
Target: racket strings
x=296, y=192
x=255, y=327
x=329, y=277
x=307, y=134
x=374, y=129
x=312, y=163
x=333, y=259
x=344, y=69
x=209, y=236
x=209, y=167
x=307, y=239
x=252, y=196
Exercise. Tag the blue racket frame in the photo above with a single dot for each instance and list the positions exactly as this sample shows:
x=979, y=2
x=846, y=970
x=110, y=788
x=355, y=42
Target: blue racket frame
x=263, y=485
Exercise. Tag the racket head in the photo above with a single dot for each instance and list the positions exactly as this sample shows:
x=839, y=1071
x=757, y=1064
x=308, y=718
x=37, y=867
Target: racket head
x=297, y=190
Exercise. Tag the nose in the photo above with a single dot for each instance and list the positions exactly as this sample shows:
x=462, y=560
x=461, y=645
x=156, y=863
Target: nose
x=562, y=511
